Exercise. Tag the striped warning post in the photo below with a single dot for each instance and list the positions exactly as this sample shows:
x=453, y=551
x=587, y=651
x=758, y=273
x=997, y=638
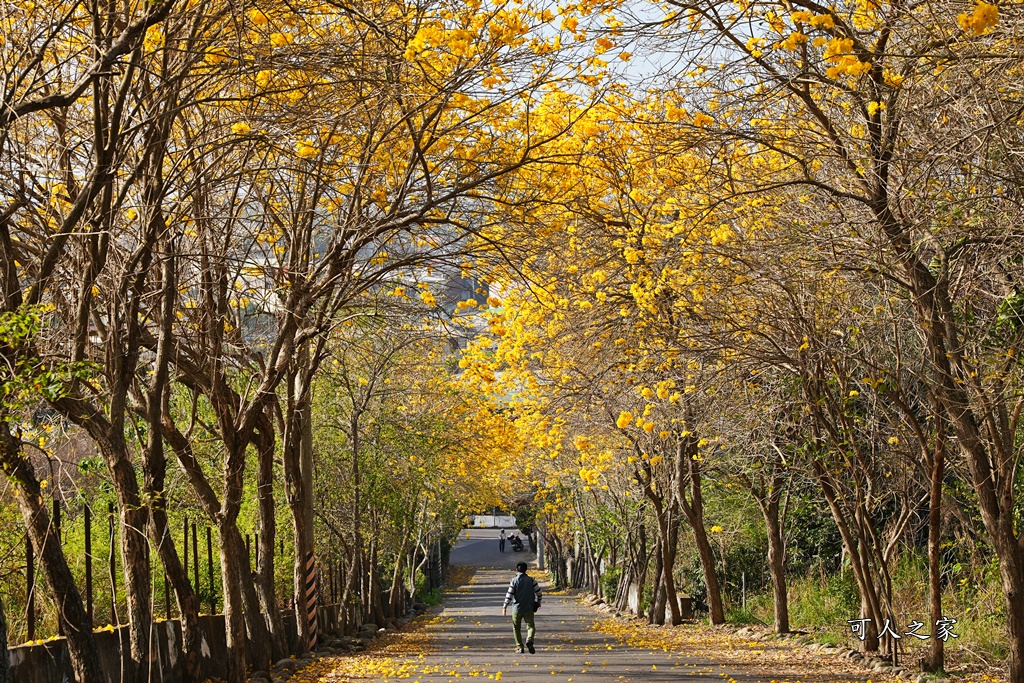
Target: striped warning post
x=311, y=600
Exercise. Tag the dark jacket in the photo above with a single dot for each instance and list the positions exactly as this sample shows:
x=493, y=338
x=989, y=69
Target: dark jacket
x=523, y=594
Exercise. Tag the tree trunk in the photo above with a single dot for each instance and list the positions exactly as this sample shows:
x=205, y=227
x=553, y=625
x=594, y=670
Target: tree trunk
x=298, y=469
x=5, y=660
x=133, y=518
x=349, y=599
x=135, y=556
x=154, y=465
x=395, y=606
x=936, y=653
x=234, y=617
x=777, y=564
x=591, y=566
x=1011, y=573
x=412, y=568
x=669, y=550
x=357, y=532
x=85, y=661
x=122, y=356
x=561, y=567
x=541, y=547
x=993, y=468
x=264, y=575
x=621, y=597
x=707, y=563
x=260, y=648
x=241, y=607
x=657, y=612
x=177, y=574
x=186, y=597
x=870, y=591
x=859, y=561
x=375, y=587
x=366, y=600
x=688, y=477
x=641, y=574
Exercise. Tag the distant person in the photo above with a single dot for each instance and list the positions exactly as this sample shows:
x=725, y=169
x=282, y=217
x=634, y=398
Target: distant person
x=524, y=596
x=501, y=541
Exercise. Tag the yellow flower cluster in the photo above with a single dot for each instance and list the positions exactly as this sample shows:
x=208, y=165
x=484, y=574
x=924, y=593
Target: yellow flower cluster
x=216, y=55
x=722, y=234
x=702, y=120
x=154, y=39
x=279, y=39
x=793, y=41
x=982, y=20
x=839, y=52
x=589, y=476
x=305, y=149
x=817, y=20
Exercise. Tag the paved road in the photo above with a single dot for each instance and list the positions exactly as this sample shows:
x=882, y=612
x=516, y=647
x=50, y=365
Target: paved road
x=470, y=638
x=474, y=639
x=567, y=648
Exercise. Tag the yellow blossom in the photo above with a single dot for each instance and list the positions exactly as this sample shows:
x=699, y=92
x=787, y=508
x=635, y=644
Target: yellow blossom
x=305, y=150
x=982, y=20
x=701, y=120
x=216, y=55
x=281, y=39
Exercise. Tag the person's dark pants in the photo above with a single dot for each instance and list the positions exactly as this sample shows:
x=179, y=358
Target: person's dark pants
x=501, y=545
x=517, y=620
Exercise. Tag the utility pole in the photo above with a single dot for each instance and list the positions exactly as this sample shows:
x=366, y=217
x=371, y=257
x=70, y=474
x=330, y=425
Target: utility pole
x=540, y=545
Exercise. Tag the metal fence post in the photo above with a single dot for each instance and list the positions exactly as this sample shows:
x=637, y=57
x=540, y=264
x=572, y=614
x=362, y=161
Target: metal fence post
x=195, y=563
x=56, y=520
x=209, y=568
x=184, y=544
x=112, y=561
x=30, y=589
x=87, y=514
x=56, y=536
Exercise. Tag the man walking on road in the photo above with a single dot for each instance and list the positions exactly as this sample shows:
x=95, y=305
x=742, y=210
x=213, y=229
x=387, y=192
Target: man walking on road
x=524, y=596
x=501, y=541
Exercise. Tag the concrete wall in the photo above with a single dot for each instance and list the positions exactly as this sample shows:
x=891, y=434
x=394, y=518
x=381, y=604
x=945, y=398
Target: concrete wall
x=46, y=663
x=49, y=663
x=494, y=521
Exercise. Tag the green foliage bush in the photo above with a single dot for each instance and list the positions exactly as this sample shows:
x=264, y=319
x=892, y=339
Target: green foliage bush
x=610, y=582
x=821, y=602
x=822, y=599
x=433, y=597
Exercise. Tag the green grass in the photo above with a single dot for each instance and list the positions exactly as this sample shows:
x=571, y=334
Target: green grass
x=822, y=604
x=831, y=639
x=737, y=615
x=432, y=598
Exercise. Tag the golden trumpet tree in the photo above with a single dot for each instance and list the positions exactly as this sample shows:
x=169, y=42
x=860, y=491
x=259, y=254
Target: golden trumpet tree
x=401, y=452
x=894, y=120
x=600, y=329
x=230, y=181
